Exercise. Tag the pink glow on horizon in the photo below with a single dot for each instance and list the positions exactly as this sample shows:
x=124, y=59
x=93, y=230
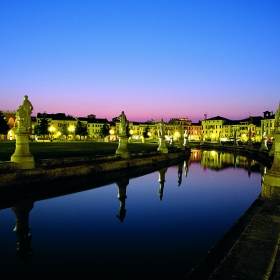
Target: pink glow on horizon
x=137, y=106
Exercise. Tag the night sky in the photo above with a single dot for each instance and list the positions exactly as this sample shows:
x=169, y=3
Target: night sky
x=151, y=58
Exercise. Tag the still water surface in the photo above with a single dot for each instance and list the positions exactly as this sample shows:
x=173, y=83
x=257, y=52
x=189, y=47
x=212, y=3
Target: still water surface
x=158, y=231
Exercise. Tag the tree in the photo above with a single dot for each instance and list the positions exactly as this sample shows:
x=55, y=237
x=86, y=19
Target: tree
x=81, y=129
x=64, y=130
x=104, y=131
x=145, y=132
x=4, y=128
x=42, y=127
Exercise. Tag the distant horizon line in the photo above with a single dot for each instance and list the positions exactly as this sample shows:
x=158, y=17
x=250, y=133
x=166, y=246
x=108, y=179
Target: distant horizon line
x=209, y=116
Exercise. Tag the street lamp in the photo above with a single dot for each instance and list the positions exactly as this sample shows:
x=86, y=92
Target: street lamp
x=71, y=128
x=52, y=130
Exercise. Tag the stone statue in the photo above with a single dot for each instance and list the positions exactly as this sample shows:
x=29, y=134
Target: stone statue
x=23, y=116
x=122, y=149
x=22, y=156
x=162, y=148
x=161, y=130
x=123, y=124
x=186, y=137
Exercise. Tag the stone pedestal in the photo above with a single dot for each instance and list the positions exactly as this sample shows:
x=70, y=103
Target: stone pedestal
x=271, y=152
x=162, y=148
x=122, y=149
x=22, y=156
x=264, y=145
x=271, y=180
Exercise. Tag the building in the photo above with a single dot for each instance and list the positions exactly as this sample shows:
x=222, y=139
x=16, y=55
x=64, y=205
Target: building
x=212, y=128
x=267, y=125
x=195, y=131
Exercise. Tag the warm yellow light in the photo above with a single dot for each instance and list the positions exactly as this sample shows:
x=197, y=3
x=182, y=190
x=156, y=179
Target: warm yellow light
x=131, y=131
x=71, y=128
x=149, y=134
x=177, y=134
x=213, y=153
x=58, y=134
x=51, y=129
x=112, y=131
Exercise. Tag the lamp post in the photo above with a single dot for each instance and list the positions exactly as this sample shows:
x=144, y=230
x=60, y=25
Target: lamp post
x=71, y=128
x=52, y=130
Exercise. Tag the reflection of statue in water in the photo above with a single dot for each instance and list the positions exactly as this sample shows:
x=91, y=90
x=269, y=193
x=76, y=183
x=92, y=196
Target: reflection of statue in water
x=22, y=229
x=23, y=116
x=180, y=173
x=161, y=180
x=122, y=186
x=186, y=167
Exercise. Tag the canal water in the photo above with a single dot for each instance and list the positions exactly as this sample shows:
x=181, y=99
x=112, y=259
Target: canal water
x=159, y=224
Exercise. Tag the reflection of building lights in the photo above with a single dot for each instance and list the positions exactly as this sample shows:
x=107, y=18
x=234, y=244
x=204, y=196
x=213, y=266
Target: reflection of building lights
x=112, y=131
x=131, y=131
x=149, y=134
x=71, y=128
x=213, y=153
x=51, y=129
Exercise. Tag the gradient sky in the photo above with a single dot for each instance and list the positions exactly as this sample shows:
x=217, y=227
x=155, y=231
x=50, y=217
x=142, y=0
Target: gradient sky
x=151, y=58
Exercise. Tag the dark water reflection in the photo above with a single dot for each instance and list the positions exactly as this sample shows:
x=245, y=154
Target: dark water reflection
x=161, y=223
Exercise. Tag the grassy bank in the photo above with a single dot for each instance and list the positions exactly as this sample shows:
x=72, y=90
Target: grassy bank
x=72, y=149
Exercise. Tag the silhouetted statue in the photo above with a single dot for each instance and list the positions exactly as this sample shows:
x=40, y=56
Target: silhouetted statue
x=23, y=244
x=249, y=161
x=122, y=186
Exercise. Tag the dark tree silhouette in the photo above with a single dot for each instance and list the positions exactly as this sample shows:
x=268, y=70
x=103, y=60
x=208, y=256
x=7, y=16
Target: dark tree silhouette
x=81, y=129
x=4, y=128
x=42, y=127
x=104, y=130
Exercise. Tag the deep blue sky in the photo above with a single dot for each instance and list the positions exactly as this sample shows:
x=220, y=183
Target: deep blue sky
x=152, y=59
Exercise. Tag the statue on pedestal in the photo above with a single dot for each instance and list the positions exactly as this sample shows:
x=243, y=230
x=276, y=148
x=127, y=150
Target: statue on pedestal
x=23, y=117
x=186, y=138
x=271, y=181
x=122, y=149
x=22, y=156
x=162, y=148
x=123, y=124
